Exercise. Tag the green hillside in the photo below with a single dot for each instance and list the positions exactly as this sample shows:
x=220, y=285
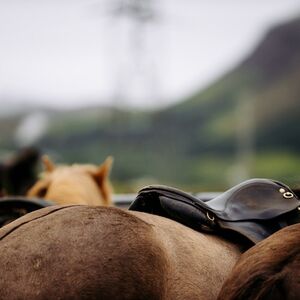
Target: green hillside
x=245, y=124
x=196, y=143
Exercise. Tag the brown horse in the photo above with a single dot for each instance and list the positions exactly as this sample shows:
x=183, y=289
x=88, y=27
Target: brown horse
x=270, y=270
x=88, y=252
x=75, y=184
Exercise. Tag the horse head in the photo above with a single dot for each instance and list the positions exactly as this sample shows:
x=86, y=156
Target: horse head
x=74, y=184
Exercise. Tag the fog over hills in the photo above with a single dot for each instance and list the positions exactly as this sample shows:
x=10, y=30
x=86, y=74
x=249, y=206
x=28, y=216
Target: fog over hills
x=245, y=124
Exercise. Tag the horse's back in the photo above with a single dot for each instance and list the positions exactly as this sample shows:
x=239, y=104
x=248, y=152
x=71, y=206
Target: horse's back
x=198, y=263
x=81, y=252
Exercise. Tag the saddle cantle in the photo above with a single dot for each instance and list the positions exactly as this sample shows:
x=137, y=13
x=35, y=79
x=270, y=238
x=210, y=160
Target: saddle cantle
x=255, y=208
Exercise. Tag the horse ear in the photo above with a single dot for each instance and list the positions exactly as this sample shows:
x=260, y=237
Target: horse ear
x=49, y=166
x=103, y=170
x=102, y=178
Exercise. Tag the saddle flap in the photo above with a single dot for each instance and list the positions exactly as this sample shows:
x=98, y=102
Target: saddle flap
x=173, y=204
x=192, y=217
x=186, y=214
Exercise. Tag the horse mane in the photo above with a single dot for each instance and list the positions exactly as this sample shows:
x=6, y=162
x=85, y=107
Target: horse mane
x=267, y=270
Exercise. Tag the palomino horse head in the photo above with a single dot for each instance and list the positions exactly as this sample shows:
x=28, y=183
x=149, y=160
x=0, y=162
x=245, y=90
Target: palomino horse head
x=74, y=184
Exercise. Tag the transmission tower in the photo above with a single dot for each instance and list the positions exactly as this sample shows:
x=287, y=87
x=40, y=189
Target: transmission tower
x=139, y=71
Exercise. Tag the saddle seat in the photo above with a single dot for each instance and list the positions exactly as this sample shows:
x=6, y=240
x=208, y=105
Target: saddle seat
x=255, y=208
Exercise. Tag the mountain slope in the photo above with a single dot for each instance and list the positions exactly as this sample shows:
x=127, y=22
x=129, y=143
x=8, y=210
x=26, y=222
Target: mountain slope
x=200, y=142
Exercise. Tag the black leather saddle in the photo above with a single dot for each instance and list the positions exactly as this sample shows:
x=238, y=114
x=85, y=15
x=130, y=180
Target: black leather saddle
x=255, y=208
x=12, y=208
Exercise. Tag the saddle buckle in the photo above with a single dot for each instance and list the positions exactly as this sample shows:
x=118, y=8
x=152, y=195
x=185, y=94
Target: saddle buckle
x=210, y=218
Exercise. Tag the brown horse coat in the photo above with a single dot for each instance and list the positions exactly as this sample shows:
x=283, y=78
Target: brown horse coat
x=270, y=270
x=84, y=252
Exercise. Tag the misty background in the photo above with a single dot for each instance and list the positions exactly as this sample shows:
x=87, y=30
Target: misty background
x=198, y=95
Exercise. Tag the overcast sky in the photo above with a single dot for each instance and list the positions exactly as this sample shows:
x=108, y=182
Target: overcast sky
x=73, y=52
